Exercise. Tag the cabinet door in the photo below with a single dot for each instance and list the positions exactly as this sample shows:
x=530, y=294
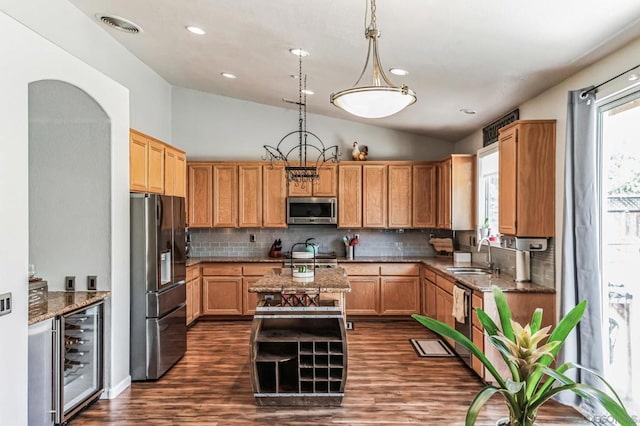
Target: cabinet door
x=400, y=196
x=189, y=301
x=444, y=308
x=327, y=183
x=250, y=196
x=507, y=169
x=374, y=201
x=274, y=207
x=364, y=297
x=199, y=202
x=444, y=194
x=350, y=196
x=225, y=195
x=249, y=300
x=180, y=178
x=424, y=196
x=196, y=297
x=400, y=295
x=429, y=298
x=478, y=340
x=222, y=295
x=156, y=167
x=138, y=162
x=169, y=171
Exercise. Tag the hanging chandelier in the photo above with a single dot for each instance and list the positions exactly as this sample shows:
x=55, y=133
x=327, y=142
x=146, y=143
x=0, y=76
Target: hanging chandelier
x=301, y=151
x=381, y=98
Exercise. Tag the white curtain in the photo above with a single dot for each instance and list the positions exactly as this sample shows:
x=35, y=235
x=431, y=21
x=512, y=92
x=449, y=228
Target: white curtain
x=581, y=242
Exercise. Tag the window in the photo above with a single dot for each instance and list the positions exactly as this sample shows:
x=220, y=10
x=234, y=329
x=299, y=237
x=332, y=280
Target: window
x=488, y=191
x=619, y=129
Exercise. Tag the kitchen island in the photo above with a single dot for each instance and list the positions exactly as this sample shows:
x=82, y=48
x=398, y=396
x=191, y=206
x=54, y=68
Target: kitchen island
x=298, y=344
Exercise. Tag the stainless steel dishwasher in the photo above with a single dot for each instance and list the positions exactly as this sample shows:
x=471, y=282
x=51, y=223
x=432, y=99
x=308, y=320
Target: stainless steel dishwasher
x=465, y=326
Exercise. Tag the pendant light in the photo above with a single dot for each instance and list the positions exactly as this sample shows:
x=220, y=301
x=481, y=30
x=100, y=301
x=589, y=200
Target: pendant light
x=302, y=159
x=381, y=98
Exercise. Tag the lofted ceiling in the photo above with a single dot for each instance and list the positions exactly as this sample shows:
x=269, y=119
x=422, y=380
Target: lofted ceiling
x=488, y=55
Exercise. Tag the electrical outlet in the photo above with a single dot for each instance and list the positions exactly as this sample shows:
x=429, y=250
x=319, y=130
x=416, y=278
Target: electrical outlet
x=92, y=283
x=432, y=236
x=252, y=238
x=70, y=283
x=5, y=304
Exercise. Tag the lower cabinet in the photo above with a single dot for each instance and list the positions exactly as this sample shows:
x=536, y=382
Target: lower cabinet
x=429, y=293
x=222, y=295
x=193, y=294
x=364, y=298
x=478, y=333
x=399, y=295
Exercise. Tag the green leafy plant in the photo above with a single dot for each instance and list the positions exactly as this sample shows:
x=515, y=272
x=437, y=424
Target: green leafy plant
x=528, y=352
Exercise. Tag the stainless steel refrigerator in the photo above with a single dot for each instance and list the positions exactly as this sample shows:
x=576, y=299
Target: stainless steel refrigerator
x=158, y=269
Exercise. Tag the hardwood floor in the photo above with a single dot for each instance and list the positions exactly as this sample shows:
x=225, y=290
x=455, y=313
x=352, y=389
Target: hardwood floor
x=387, y=384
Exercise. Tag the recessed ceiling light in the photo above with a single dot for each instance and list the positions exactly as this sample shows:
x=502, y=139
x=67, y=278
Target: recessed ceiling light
x=299, y=52
x=398, y=71
x=308, y=92
x=119, y=23
x=468, y=111
x=228, y=75
x=633, y=77
x=196, y=30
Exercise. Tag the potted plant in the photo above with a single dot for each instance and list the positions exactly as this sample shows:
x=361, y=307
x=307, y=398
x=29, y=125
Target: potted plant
x=528, y=356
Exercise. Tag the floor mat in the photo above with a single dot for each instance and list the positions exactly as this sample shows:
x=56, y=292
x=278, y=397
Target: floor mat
x=430, y=347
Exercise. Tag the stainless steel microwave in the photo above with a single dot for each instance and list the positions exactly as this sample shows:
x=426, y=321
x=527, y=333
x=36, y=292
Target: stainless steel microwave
x=311, y=210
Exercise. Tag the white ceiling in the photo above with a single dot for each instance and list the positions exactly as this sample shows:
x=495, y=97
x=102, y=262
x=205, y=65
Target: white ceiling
x=487, y=55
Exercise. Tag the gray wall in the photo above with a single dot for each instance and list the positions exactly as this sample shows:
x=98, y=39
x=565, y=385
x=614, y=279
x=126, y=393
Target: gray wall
x=210, y=127
x=69, y=185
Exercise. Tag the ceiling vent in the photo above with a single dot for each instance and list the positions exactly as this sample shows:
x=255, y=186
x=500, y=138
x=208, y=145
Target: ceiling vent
x=119, y=23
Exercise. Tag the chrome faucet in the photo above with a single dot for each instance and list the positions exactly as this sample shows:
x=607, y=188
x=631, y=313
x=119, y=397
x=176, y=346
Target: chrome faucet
x=489, y=261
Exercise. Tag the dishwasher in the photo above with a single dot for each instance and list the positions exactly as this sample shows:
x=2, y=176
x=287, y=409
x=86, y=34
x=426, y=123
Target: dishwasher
x=464, y=326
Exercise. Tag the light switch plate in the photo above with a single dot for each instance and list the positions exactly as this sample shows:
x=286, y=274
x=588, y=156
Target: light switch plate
x=70, y=283
x=92, y=283
x=5, y=304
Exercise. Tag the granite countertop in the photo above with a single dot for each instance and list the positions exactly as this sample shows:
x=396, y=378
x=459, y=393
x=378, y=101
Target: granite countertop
x=219, y=259
x=61, y=302
x=325, y=280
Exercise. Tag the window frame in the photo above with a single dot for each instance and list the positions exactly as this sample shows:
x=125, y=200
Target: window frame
x=480, y=190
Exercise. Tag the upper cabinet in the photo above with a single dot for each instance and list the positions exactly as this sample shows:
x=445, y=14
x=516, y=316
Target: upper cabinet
x=250, y=196
x=225, y=195
x=325, y=186
x=199, y=203
x=155, y=167
x=400, y=203
x=456, y=182
x=424, y=195
x=374, y=196
x=527, y=178
x=349, y=195
x=274, y=197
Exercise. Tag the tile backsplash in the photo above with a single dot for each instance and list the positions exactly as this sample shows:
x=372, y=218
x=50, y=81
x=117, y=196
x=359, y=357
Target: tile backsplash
x=236, y=242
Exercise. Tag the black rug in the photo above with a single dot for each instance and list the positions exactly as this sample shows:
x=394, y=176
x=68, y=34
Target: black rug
x=430, y=347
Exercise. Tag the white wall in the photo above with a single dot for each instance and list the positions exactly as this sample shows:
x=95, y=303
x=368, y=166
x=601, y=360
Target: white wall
x=66, y=26
x=210, y=127
x=28, y=57
x=552, y=104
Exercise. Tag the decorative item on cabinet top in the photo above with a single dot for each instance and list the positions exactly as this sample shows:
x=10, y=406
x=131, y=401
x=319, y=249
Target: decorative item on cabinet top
x=359, y=153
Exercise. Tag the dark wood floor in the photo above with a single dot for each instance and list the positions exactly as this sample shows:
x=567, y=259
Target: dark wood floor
x=388, y=384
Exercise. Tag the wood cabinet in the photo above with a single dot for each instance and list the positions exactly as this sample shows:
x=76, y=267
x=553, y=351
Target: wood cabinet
x=374, y=196
x=274, y=200
x=156, y=167
x=325, y=186
x=225, y=195
x=383, y=289
x=250, y=196
x=424, y=195
x=400, y=198
x=477, y=333
x=527, y=178
x=193, y=294
x=429, y=293
x=175, y=172
x=250, y=274
x=456, y=189
x=349, y=196
x=222, y=289
x=444, y=302
x=199, y=201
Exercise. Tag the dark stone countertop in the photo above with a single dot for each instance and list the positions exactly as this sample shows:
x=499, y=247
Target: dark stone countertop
x=325, y=280
x=61, y=302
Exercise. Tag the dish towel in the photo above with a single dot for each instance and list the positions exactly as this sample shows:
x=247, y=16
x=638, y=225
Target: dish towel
x=459, y=302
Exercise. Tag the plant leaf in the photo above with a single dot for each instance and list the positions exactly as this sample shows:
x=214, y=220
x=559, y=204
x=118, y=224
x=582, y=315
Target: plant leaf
x=503, y=312
x=536, y=320
x=489, y=326
x=514, y=387
x=482, y=397
x=446, y=331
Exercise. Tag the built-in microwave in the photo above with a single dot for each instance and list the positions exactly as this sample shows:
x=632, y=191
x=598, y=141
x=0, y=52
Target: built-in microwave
x=311, y=210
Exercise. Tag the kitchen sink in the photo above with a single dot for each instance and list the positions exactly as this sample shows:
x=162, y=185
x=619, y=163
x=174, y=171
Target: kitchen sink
x=468, y=270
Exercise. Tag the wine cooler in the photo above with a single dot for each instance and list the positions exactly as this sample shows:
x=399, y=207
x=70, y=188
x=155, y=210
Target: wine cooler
x=78, y=370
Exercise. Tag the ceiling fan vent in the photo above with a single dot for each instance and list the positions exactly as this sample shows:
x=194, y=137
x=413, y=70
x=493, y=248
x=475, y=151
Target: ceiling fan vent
x=119, y=23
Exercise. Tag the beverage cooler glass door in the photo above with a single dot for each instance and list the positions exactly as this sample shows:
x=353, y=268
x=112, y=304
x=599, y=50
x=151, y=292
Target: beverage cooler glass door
x=80, y=363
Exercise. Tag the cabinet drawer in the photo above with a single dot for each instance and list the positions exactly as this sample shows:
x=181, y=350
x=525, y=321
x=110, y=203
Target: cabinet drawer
x=410, y=269
x=445, y=284
x=259, y=269
x=222, y=269
x=430, y=275
x=361, y=268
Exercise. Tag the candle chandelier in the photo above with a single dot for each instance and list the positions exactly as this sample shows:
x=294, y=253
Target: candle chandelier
x=381, y=98
x=301, y=151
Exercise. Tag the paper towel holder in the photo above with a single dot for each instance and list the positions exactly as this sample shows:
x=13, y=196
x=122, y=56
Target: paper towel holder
x=523, y=243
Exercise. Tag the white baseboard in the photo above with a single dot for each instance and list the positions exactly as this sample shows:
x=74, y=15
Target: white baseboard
x=116, y=390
